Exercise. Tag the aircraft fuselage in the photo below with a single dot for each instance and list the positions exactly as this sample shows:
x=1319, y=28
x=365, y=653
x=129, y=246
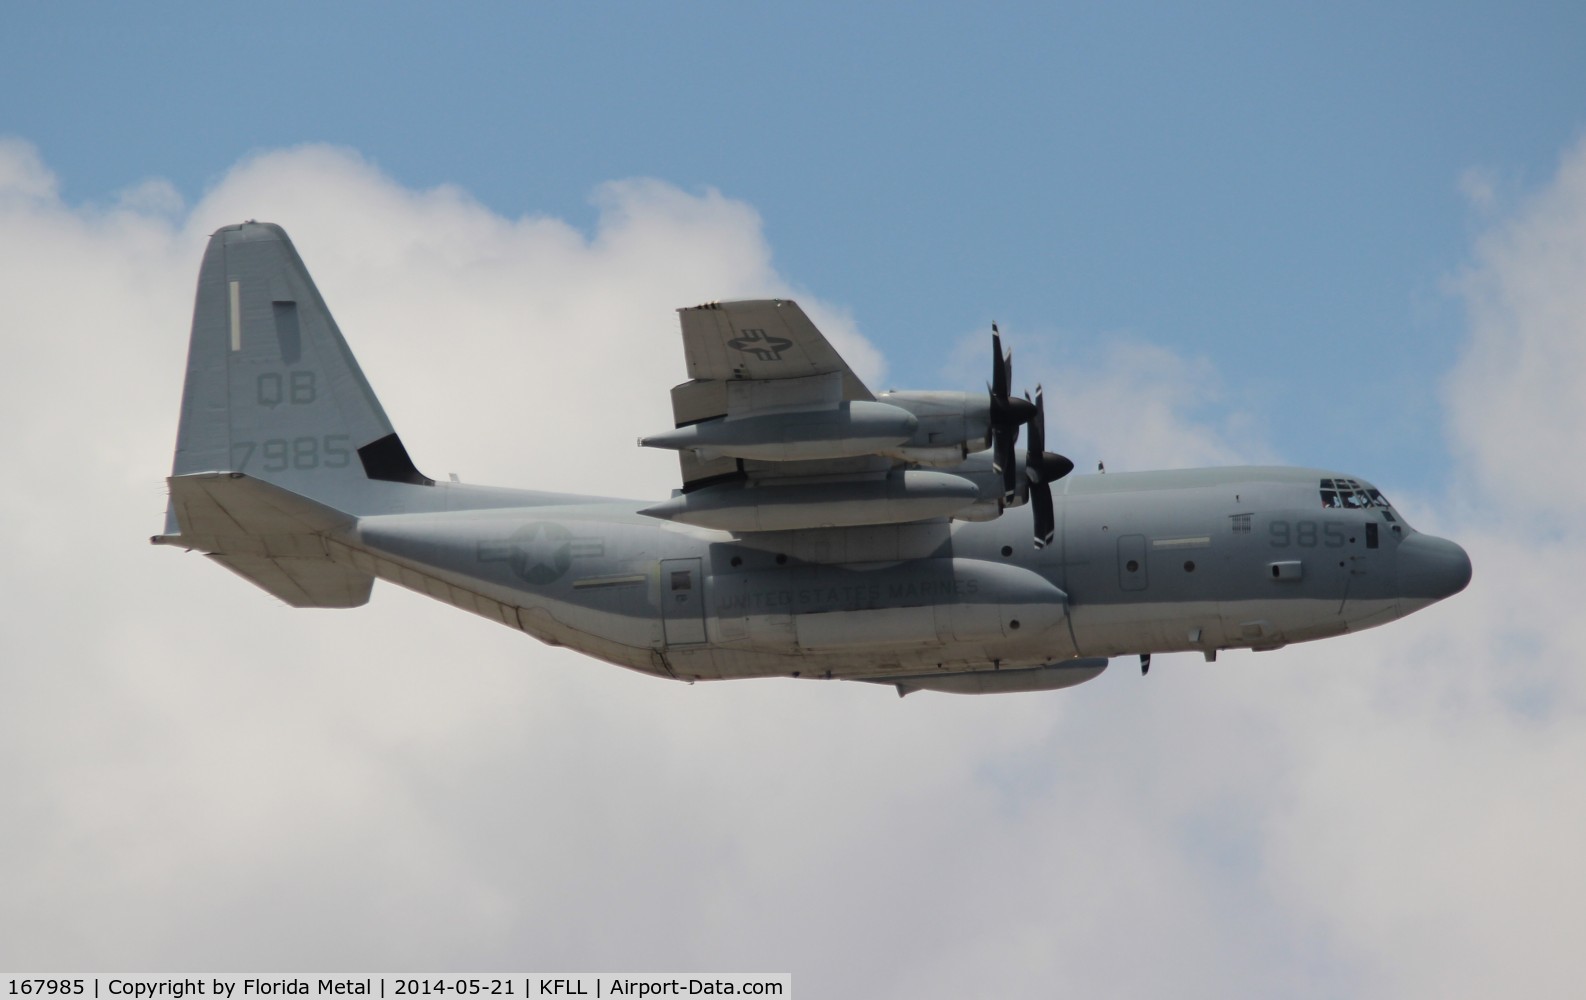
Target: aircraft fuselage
x=1156, y=562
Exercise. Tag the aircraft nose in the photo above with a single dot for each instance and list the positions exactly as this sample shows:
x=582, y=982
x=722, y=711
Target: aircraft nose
x=1431, y=568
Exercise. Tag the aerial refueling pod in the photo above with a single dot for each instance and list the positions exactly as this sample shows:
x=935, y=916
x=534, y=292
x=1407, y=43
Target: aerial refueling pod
x=907, y=495
x=847, y=430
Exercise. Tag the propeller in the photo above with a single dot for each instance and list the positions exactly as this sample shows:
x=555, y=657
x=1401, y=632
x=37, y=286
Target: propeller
x=1041, y=469
x=1008, y=414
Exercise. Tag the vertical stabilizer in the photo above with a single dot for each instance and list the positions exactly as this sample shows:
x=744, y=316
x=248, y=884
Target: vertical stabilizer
x=272, y=389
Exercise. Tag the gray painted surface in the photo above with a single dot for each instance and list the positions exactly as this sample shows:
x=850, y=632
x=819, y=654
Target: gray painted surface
x=275, y=477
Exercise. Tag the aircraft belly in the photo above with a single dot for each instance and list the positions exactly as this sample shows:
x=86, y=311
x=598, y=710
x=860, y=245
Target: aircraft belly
x=919, y=603
x=1270, y=622
x=1371, y=612
x=829, y=630
x=1146, y=627
x=725, y=663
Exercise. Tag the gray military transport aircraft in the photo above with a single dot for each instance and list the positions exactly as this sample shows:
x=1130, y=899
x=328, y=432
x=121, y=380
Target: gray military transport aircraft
x=821, y=531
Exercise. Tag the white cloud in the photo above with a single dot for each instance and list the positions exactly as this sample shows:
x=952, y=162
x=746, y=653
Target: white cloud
x=1429, y=827
x=198, y=778
x=1515, y=400
x=23, y=175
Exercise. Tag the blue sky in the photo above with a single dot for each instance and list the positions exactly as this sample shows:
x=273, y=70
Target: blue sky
x=1275, y=188
x=1352, y=237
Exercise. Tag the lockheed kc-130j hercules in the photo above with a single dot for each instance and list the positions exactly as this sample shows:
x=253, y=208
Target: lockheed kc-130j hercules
x=821, y=530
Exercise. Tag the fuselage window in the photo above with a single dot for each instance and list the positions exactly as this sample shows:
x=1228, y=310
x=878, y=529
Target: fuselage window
x=1371, y=534
x=683, y=580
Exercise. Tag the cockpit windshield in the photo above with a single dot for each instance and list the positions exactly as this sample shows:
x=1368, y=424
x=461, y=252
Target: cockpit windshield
x=1351, y=494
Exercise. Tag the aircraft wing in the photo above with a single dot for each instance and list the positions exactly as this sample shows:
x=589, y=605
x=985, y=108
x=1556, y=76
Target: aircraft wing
x=749, y=358
x=760, y=339
x=774, y=431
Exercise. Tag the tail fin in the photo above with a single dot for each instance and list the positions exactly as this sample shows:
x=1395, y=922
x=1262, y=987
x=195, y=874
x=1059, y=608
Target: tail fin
x=282, y=443
x=272, y=390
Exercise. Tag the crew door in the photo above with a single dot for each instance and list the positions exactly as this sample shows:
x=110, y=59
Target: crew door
x=682, y=602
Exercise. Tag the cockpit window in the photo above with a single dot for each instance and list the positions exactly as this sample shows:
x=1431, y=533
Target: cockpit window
x=1350, y=494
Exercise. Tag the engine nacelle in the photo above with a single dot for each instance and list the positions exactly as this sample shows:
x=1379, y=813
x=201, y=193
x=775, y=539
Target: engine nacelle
x=951, y=425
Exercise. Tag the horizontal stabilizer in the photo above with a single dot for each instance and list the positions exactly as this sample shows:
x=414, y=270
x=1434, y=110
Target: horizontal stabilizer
x=302, y=583
x=211, y=506
x=269, y=535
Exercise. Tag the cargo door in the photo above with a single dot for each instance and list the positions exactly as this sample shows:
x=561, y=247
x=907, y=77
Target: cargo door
x=682, y=602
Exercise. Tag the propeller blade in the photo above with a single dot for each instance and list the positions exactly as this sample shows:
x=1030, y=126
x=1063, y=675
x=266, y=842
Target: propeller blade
x=1000, y=370
x=1042, y=468
x=1038, y=425
x=1007, y=410
x=1008, y=414
x=1045, y=517
x=1005, y=461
